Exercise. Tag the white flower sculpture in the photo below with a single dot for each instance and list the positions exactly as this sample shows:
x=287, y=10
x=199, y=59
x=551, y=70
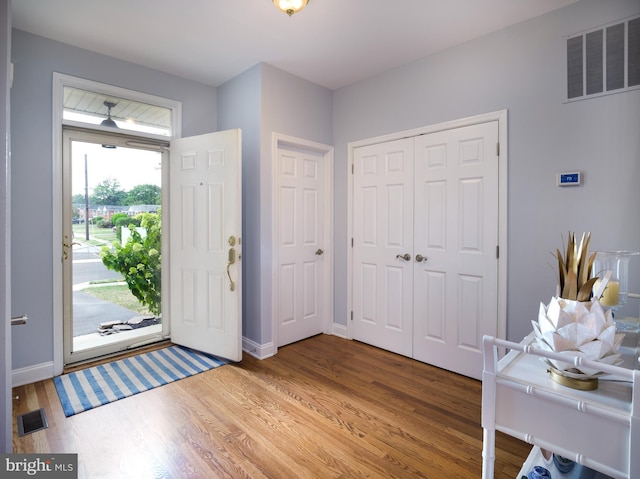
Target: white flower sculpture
x=577, y=328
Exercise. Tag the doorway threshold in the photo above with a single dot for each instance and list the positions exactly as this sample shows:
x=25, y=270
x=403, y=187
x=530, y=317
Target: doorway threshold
x=136, y=337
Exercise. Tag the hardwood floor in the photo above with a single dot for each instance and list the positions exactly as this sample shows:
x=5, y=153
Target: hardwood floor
x=322, y=408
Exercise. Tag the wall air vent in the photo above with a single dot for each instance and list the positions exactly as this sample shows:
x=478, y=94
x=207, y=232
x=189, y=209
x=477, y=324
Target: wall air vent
x=603, y=60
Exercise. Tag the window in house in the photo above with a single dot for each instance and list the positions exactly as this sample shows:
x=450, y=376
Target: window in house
x=87, y=104
x=115, y=112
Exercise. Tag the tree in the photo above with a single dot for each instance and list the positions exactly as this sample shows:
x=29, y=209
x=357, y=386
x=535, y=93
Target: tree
x=108, y=193
x=144, y=195
x=78, y=199
x=140, y=262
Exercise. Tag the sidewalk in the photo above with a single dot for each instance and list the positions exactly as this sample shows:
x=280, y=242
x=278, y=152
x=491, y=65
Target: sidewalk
x=90, y=312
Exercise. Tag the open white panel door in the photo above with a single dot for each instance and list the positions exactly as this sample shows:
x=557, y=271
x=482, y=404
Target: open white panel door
x=205, y=243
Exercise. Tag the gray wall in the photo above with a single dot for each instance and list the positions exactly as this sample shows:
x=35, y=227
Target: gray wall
x=239, y=106
x=519, y=69
x=294, y=107
x=261, y=101
x=5, y=240
x=35, y=59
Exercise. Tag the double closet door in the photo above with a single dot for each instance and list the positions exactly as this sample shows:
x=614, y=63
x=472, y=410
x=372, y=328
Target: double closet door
x=425, y=237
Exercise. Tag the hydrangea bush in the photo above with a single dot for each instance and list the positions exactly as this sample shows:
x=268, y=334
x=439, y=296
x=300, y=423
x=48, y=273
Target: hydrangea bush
x=140, y=261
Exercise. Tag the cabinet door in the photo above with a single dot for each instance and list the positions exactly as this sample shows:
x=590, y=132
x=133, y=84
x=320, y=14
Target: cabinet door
x=383, y=234
x=456, y=229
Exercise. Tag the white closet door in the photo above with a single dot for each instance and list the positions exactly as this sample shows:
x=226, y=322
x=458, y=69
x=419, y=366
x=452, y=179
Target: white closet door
x=456, y=229
x=301, y=244
x=382, y=234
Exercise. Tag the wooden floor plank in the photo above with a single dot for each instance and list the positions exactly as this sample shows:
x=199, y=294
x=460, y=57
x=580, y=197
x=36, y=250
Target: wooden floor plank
x=321, y=408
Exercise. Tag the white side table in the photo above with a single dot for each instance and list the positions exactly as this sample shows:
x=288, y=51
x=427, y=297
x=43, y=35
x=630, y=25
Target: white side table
x=599, y=429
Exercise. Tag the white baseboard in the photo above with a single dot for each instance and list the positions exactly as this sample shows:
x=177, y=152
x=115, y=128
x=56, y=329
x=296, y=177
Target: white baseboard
x=260, y=351
x=42, y=371
x=32, y=374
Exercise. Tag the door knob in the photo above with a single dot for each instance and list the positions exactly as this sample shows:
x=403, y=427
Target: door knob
x=16, y=320
x=405, y=257
x=420, y=258
x=232, y=260
x=66, y=246
x=319, y=252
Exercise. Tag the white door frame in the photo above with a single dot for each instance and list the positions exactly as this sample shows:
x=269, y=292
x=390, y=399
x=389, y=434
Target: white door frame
x=59, y=82
x=278, y=141
x=501, y=117
x=105, y=345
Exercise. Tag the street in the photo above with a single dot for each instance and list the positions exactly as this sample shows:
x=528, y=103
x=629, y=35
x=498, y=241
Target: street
x=89, y=312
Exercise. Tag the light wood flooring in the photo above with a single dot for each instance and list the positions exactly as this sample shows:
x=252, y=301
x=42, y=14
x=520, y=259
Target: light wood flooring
x=321, y=408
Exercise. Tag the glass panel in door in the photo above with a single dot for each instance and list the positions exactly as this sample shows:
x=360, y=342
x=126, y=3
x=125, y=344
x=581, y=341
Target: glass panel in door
x=112, y=252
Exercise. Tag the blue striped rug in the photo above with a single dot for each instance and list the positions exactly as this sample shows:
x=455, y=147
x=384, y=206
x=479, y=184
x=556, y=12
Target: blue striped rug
x=99, y=385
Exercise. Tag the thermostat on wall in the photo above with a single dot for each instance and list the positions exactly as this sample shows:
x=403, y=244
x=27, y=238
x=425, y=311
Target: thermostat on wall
x=570, y=178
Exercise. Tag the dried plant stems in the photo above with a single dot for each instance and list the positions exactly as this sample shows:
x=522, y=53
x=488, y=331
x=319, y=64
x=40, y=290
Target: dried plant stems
x=574, y=270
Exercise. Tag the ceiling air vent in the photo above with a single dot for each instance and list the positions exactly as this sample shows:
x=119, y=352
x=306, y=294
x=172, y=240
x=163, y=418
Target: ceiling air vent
x=604, y=60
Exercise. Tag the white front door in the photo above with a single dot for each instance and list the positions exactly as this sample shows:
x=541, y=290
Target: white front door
x=382, y=239
x=301, y=241
x=205, y=243
x=456, y=230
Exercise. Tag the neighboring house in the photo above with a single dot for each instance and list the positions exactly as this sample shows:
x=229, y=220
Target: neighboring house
x=107, y=211
x=519, y=69
x=137, y=209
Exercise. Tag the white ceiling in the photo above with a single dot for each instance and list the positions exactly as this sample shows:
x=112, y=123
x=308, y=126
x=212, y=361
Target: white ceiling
x=333, y=43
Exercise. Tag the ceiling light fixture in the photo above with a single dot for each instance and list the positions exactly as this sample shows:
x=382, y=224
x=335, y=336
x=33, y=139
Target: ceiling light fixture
x=109, y=121
x=290, y=6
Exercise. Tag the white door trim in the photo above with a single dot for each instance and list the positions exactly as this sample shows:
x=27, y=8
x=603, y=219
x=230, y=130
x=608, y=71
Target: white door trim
x=501, y=117
x=94, y=347
x=59, y=82
x=279, y=140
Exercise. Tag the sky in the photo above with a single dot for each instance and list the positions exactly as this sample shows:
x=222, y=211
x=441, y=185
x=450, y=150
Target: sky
x=130, y=166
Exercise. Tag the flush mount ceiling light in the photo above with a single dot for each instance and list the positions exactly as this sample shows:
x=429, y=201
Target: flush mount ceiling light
x=290, y=6
x=109, y=121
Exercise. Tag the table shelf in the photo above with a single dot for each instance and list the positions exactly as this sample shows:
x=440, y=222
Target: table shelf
x=599, y=430
x=578, y=472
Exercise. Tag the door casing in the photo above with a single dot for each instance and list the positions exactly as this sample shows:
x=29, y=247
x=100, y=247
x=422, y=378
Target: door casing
x=56, y=367
x=278, y=141
x=107, y=344
x=499, y=116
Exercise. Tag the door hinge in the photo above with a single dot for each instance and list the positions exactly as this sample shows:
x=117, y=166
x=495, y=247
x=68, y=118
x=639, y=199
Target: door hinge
x=351, y=315
x=497, y=251
x=498, y=149
x=352, y=242
x=353, y=168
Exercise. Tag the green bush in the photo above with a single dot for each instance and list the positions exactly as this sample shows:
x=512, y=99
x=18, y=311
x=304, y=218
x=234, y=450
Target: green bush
x=140, y=261
x=102, y=223
x=123, y=220
x=119, y=218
